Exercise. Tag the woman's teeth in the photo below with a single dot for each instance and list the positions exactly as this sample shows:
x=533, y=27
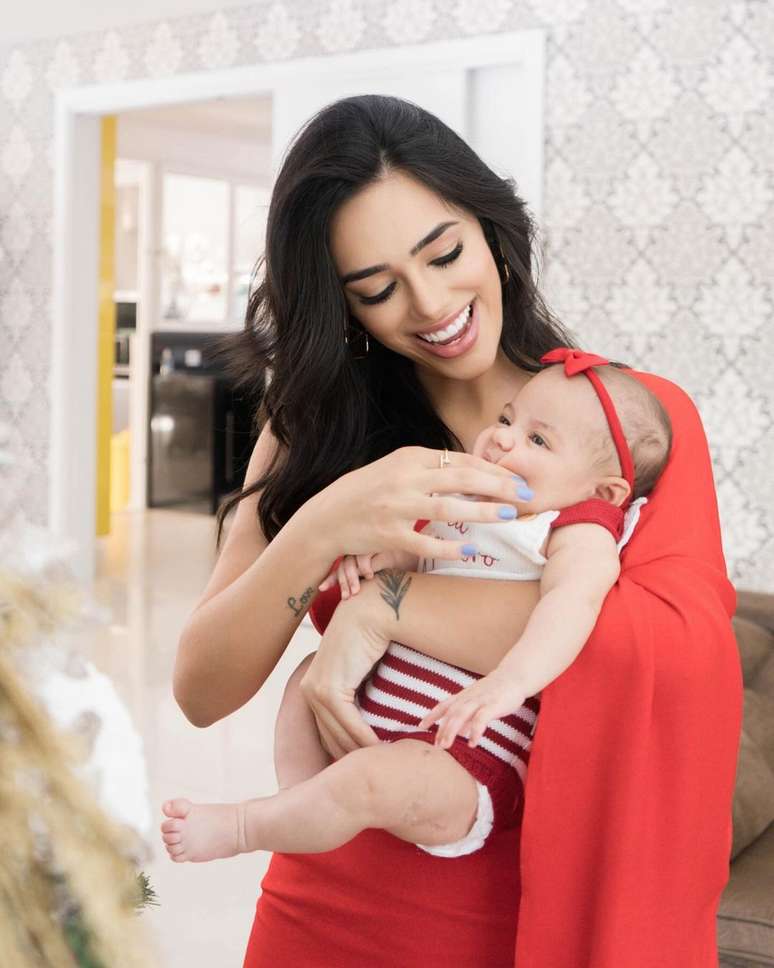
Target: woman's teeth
x=451, y=331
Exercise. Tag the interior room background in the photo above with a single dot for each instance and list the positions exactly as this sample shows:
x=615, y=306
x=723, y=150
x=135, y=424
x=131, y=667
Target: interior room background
x=657, y=230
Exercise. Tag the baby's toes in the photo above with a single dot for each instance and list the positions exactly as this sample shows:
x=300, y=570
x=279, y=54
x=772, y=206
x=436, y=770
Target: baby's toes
x=177, y=808
x=176, y=852
x=172, y=838
x=172, y=826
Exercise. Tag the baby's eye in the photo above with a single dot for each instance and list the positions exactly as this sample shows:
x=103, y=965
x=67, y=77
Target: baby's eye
x=503, y=420
x=537, y=439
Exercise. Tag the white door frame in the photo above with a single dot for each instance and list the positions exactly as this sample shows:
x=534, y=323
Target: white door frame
x=73, y=382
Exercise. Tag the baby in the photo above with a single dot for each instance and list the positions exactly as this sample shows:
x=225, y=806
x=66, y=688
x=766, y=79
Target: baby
x=587, y=445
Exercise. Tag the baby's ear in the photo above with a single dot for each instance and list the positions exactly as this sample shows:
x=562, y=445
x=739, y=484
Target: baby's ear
x=614, y=490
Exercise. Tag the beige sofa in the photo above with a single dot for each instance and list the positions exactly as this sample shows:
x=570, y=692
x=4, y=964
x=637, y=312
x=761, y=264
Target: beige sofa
x=746, y=914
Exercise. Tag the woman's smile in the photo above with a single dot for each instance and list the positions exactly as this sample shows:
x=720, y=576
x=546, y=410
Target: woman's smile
x=456, y=338
x=448, y=328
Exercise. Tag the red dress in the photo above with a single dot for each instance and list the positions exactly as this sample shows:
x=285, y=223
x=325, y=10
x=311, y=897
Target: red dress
x=626, y=831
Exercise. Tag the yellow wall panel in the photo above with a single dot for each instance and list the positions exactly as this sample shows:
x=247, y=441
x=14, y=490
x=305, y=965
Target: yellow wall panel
x=107, y=323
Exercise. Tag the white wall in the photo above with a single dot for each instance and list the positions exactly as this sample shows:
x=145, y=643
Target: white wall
x=53, y=18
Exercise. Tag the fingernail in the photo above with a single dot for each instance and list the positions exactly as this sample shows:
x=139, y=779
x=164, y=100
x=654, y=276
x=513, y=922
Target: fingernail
x=524, y=492
x=469, y=549
x=507, y=513
x=519, y=478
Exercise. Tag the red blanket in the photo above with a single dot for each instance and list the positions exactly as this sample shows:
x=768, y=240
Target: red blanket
x=626, y=834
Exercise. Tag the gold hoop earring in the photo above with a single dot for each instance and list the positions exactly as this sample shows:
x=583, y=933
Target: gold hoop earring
x=358, y=356
x=504, y=273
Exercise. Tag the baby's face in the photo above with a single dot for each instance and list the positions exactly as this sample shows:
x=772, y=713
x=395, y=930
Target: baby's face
x=549, y=434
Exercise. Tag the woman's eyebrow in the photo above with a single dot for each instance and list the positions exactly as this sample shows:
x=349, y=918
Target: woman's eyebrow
x=372, y=270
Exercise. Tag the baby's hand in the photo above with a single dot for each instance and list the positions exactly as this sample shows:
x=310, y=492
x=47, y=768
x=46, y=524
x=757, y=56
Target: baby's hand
x=353, y=567
x=470, y=711
x=348, y=573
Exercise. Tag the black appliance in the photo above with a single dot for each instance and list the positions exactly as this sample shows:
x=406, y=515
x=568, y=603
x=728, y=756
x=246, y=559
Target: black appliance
x=201, y=427
x=126, y=320
x=126, y=314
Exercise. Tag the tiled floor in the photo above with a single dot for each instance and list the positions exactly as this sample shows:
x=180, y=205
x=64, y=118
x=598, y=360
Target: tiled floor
x=152, y=569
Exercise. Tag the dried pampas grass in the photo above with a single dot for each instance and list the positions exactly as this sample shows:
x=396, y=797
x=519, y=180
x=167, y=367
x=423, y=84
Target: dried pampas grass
x=60, y=856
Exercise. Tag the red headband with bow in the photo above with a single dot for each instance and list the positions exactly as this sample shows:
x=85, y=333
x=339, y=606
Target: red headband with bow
x=576, y=361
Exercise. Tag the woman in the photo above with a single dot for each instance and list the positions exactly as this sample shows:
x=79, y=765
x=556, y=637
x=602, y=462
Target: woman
x=383, y=228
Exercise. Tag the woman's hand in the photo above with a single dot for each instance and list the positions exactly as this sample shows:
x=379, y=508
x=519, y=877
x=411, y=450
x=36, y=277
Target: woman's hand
x=376, y=506
x=349, y=649
x=469, y=712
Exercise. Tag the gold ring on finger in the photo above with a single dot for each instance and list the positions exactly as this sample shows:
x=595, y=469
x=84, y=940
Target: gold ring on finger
x=445, y=460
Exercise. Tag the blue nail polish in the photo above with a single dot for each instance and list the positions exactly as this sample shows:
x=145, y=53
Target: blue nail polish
x=507, y=514
x=468, y=550
x=523, y=490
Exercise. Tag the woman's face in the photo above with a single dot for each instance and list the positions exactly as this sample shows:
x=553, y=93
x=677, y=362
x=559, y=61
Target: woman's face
x=398, y=288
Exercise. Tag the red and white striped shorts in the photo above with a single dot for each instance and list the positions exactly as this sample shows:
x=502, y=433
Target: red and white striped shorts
x=406, y=684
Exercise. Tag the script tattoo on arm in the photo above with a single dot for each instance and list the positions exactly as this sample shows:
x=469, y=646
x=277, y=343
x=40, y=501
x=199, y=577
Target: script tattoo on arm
x=394, y=584
x=300, y=606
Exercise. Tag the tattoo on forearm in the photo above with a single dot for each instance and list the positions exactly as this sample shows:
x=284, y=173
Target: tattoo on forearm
x=300, y=605
x=394, y=585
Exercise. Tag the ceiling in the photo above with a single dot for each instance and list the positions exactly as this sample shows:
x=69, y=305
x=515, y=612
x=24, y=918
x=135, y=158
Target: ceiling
x=244, y=118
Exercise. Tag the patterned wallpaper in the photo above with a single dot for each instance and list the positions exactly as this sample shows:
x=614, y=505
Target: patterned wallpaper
x=659, y=202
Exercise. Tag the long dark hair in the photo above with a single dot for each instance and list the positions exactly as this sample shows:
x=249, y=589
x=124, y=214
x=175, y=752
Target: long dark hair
x=332, y=409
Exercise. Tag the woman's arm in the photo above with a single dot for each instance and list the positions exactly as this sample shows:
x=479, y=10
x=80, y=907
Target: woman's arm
x=252, y=605
x=259, y=592
x=466, y=622
x=470, y=623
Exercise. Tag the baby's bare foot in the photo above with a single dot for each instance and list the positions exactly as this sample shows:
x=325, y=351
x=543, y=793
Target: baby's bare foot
x=202, y=831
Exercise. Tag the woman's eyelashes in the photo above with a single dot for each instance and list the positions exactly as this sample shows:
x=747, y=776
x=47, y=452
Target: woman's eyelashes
x=382, y=297
x=442, y=262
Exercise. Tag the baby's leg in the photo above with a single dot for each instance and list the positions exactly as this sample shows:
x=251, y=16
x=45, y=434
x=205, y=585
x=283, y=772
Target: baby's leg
x=409, y=788
x=298, y=753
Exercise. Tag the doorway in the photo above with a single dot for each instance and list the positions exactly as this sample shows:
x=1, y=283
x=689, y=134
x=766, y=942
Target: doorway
x=192, y=189
x=488, y=88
